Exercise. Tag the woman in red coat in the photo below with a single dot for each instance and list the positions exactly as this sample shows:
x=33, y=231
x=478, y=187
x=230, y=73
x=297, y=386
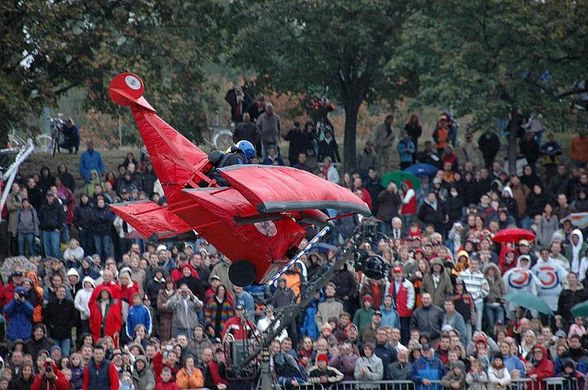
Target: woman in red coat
x=543, y=369
x=105, y=315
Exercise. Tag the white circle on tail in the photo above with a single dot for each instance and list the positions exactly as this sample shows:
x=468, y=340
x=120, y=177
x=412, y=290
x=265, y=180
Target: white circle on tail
x=133, y=82
x=267, y=228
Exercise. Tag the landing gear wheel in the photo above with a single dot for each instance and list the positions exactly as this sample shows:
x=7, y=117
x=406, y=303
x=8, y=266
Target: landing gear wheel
x=242, y=273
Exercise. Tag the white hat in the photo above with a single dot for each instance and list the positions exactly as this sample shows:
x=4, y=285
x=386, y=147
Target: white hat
x=89, y=280
x=72, y=271
x=161, y=247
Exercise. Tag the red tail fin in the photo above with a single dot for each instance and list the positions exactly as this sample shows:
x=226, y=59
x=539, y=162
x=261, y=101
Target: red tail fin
x=174, y=158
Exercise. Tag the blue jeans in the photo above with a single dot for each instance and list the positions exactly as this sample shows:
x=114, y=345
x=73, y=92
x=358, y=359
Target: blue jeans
x=103, y=244
x=479, y=313
x=493, y=314
x=65, y=233
x=65, y=345
x=51, y=243
x=29, y=239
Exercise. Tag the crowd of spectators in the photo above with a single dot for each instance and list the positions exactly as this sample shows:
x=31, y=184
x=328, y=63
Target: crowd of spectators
x=109, y=309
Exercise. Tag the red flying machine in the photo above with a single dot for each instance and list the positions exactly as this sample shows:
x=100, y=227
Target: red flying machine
x=257, y=221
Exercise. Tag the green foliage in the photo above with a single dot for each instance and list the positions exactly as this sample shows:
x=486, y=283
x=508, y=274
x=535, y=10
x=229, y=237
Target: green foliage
x=49, y=47
x=487, y=58
x=301, y=46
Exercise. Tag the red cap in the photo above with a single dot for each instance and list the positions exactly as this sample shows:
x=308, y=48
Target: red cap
x=397, y=269
x=368, y=298
x=322, y=357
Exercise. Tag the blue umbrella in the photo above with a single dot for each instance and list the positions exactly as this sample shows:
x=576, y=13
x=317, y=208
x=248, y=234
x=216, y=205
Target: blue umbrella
x=422, y=169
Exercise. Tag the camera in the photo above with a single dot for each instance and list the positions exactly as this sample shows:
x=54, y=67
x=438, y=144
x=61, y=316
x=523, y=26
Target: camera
x=48, y=366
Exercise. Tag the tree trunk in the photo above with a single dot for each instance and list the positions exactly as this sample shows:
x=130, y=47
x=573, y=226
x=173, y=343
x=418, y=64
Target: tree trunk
x=513, y=131
x=349, y=145
x=4, y=129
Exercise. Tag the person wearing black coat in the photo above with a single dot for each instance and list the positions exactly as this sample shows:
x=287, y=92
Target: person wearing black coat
x=19, y=382
x=414, y=131
x=39, y=341
x=536, y=201
x=328, y=147
x=46, y=180
x=34, y=193
x=454, y=205
x=83, y=222
x=346, y=287
x=432, y=211
x=66, y=177
x=529, y=148
x=148, y=179
x=51, y=219
x=489, y=144
x=59, y=316
x=300, y=142
x=102, y=219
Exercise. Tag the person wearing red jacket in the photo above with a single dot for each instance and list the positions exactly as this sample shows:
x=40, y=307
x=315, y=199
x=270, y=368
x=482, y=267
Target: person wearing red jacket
x=105, y=314
x=108, y=281
x=239, y=325
x=542, y=369
x=402, y=292
x=51, y=379
x=166, y=381
x=100, y=374
x=178, y=272
x=128, y=287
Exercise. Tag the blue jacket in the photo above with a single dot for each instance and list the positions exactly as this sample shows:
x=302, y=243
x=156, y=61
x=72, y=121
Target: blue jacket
x=20, y=319
x=138, y=315
x=390, y=317
x=248, y=303
x=405, y=150
x=309, y=327
x=427, y=369
x=512, y=362
x=89, y=161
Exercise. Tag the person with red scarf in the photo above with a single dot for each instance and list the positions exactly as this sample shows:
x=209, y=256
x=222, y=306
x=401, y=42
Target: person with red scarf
x=105, y=314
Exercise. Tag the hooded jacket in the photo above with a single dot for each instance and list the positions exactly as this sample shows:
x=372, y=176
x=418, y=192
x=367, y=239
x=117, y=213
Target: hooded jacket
x=109, y=324
x=82, y=299
x=144, y=380
x=440, y=286
x=543, y=368
x=574, y=253
x=519, y=279
x=497, y=288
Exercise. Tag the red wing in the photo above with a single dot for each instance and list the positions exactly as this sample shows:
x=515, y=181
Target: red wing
x=272, y=189
x=150, y=219
x=261, y=242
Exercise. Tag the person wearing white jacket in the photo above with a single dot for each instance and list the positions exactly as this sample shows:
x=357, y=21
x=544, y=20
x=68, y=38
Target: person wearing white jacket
x=82, y=299
x=498, y=375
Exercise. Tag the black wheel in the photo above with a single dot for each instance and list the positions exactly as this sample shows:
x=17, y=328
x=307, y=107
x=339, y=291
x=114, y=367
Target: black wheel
x=242, y=273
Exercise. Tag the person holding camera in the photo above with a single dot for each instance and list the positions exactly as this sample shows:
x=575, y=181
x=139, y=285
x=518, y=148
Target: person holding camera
x=185, y=306
x=19, y=313
x=49, y=377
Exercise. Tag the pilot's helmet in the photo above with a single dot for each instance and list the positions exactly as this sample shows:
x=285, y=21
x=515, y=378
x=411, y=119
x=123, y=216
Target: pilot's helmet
x=247, y=148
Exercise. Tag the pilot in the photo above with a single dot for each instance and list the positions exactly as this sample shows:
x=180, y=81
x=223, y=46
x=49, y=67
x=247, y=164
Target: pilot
x=240, y=154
